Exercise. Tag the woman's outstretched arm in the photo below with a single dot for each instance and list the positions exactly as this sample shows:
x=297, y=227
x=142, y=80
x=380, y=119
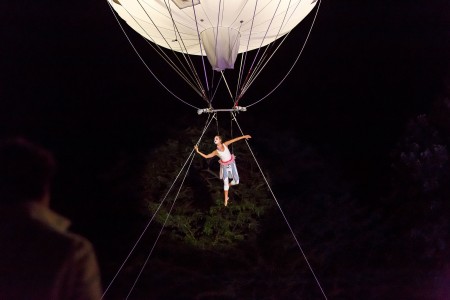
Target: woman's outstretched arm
x=237, y=139
x=210, y=155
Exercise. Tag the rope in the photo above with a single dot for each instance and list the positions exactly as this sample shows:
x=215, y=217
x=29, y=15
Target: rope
x=193, y=73
x=228, y=87
x=201, y=48
x=231, y=131
x=215, y=91
x=259, y=49
x=208, y=122
x=182, y=45
x=248, y=43
x=240, y=68
x=260, y=65
x=190, y=81
x=243, y=86
x=217, y=123
x=191, y=158
x=145, y=64
x=258, y=68
x=296, y=60
x=281, y=210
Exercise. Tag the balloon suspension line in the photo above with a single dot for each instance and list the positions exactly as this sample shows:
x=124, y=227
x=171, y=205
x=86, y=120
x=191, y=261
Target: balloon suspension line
x=189, y=159
x=181, y=43
x=296, y=59
x=145, y=64
x=215, y=91
x=281, y=210
x=251, y=68
x=249, y=38
x=158, y=50
x=231, y=130
x=201, y=48
x=215, y=116
x=241, y=60
x=226, y=83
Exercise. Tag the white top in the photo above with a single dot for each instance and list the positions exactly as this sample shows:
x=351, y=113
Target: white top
x=224, y=155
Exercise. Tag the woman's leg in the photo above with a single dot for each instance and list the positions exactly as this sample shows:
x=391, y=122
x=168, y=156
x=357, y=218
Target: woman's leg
x=226, y=187
x=235, y=174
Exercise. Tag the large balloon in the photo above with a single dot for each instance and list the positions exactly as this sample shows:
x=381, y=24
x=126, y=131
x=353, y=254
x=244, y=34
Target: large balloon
x=219, y=29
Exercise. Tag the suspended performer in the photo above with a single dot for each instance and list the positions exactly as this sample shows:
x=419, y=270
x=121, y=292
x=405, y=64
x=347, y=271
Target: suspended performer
x=227, y=162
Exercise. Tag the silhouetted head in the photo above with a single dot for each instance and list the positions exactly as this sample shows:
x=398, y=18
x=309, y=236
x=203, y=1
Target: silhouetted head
x=26, y=171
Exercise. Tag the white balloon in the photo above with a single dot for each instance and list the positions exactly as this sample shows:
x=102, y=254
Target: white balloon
x=219, y=29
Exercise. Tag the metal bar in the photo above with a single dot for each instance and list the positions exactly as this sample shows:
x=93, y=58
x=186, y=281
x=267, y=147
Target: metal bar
x=212, y=110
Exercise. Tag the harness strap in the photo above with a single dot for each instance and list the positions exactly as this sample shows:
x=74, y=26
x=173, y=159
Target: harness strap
x=228, y=162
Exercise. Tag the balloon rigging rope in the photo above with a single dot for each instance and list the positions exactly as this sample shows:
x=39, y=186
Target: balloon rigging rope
x=199, y=88
x=281, y=210
x=253, y=74
x=248, y=44
x=296, y=60
x=164, y=55
x=190, y=159
x=145, y=64
x=259, y=48
x=215, y=91
x=226, y=83
x=260, y=67
x=201, y=49
x=208, y=122
x=192, y=74
x=240, y=70
x=182, y=45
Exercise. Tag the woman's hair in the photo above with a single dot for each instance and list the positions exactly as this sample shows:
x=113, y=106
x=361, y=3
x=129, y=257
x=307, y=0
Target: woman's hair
x=26, y=170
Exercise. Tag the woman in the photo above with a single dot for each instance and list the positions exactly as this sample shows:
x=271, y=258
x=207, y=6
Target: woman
x=227, y=163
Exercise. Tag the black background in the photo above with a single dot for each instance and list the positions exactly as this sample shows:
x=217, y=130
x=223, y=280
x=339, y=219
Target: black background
x=70, y=81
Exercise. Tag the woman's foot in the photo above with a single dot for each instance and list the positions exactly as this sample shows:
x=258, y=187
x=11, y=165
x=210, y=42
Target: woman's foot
x=226, y=201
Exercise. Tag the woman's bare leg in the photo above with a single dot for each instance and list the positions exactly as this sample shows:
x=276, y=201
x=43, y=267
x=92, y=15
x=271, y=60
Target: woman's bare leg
x=226, y=186
x=226, y=197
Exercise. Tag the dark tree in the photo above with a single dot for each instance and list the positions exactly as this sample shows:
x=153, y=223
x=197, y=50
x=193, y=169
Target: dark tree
x=421, y=172
x=418, y=204
x=194, y=207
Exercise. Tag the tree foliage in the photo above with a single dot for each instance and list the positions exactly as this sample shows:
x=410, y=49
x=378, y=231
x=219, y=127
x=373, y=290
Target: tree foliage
x=193, y=210
x=420, y=191
x=421, y=159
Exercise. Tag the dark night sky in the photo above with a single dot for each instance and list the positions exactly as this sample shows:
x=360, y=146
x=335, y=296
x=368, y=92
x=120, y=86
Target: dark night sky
x=68, y=72
x=70, y=80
